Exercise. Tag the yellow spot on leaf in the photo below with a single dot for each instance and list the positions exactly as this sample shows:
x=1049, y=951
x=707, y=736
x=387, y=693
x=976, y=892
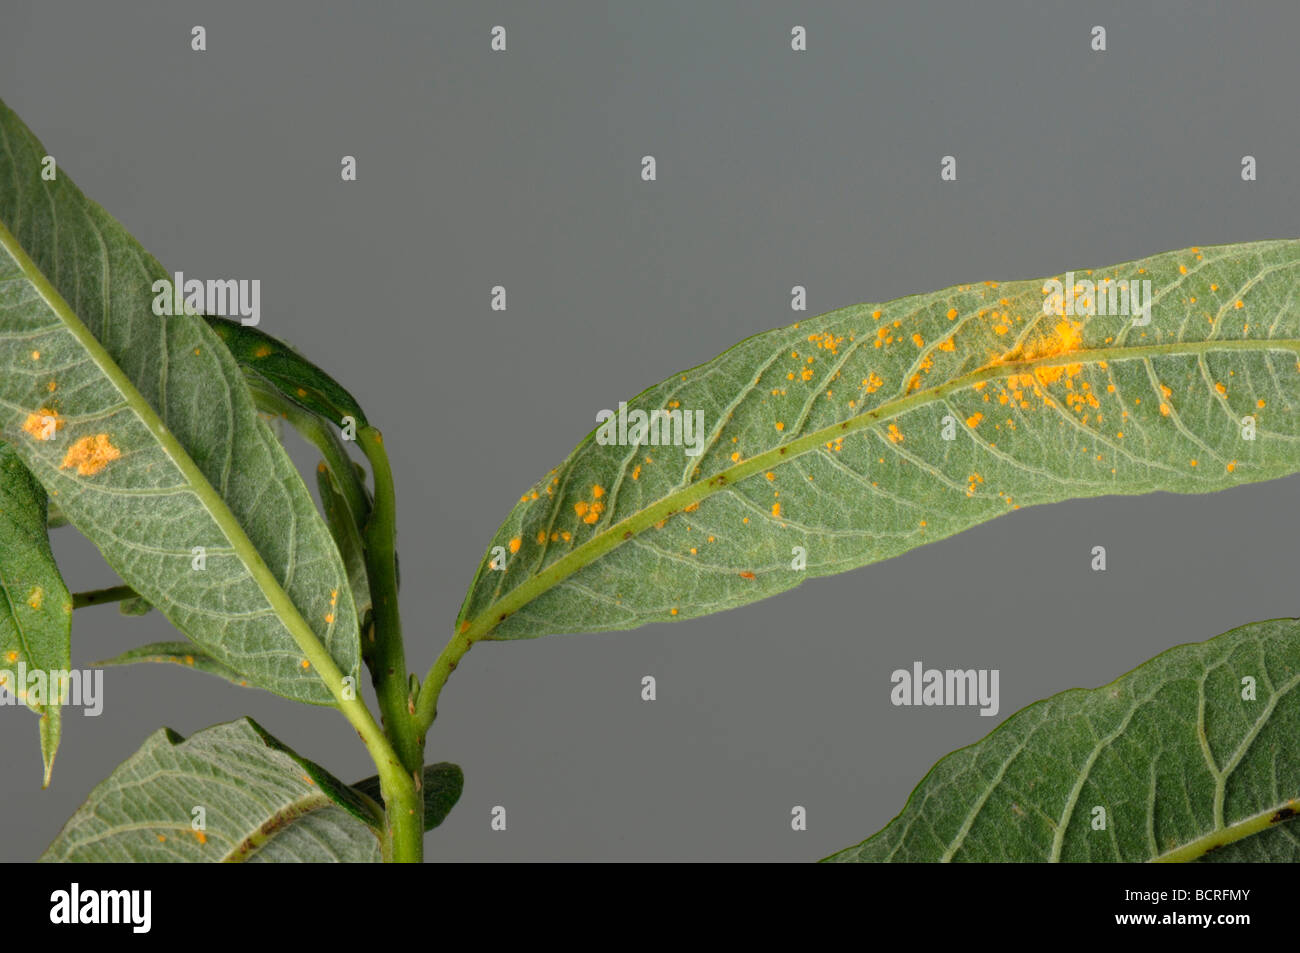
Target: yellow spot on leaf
x=90, y=455
x=894, y=435
x=263, y=350
x=515, y=544
x=973, y=420
x=776, y=509
x=780, y=425
x=305, y=664
x=43, y=424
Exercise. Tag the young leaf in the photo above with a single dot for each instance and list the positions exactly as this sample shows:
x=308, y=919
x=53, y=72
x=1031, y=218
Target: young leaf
x=860, y=434
x=347, y=537
x=259, y=800
x=36, y=609
x=442, y=786
x=176, y=653
x=1190, y=755
x=144, y=431
x=275, y=362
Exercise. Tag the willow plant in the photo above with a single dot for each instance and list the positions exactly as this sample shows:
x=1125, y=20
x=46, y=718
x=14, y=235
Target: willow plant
x=813, y=449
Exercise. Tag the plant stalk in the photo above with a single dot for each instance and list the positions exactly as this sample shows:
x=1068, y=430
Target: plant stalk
x=388, y=666
x=99, y=597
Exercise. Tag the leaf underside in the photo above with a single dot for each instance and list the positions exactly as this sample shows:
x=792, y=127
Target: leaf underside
x=35, y=607
x=185, y=654
x=261, y=802
x=1183, y=766
x=156, y=447
x=830, y=436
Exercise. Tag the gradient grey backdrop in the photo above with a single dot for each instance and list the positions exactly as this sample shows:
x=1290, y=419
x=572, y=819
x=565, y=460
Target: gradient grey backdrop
x=775, y=169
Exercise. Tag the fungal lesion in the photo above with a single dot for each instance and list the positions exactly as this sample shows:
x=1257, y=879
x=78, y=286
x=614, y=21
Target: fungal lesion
x=90, y=455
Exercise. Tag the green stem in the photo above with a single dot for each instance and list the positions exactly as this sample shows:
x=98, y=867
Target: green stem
x=426, y=708
x=396, y=701
x=316, y=432
x=385, y=656
x=397, y=785
x=97, y=597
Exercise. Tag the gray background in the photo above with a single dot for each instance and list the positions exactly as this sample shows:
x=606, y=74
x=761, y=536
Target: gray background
x=775, y=169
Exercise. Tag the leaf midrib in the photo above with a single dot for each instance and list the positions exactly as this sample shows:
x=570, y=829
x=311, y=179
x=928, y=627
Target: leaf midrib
x=196, y=482
x=481, y=626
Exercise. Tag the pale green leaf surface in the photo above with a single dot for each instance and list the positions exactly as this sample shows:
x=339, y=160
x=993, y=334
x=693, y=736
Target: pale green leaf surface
x=255, y=793
x=158, y=447
x=1183, y=765
x=185, y=654
x=829, y=435
x=36, y=608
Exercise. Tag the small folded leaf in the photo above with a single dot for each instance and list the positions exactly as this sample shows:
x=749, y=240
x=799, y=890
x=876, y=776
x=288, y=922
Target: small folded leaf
x=142, y=428
x=1191, y=755
x=860, y=434
x=346, y=537
x=36, y=611
x=275, y=362
x=443, y=784
x=258, y=799
x=186, y=654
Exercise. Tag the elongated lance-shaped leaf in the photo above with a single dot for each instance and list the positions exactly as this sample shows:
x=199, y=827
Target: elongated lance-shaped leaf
x=253, y=792
x=1191, y=755
x=860, y=434
x=185, y=654
x=143, y=430
x=36, y=609
x=347, y=537
x=290, y=373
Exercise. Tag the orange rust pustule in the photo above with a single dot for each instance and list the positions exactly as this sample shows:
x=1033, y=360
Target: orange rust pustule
x=90, y=455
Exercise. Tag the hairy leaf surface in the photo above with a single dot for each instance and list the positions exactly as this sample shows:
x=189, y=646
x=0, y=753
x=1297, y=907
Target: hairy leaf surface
x=185, y=654
x=260, y=801
x=865, y=432
x=1184, y=764
x=143, y=430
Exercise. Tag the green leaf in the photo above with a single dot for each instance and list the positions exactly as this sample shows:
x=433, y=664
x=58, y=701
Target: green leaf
x=443, y=784
x=176, y=653
x=36, y=611
x=1182, y=760
x=260, y=801
x=279, y=365
x=157, y=446
x=347, y=537
x=830, y=438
